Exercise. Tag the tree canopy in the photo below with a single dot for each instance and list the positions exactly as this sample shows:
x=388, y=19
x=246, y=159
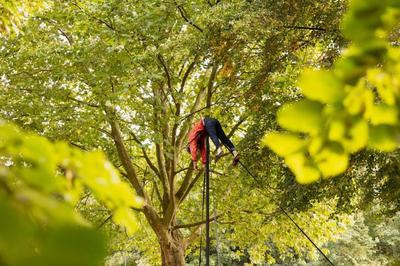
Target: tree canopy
x=108, y=91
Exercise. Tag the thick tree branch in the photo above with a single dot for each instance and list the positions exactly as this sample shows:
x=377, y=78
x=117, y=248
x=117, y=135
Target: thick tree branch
x=157, y=191
x=107, y=24
x=168, y=75
x=185, y=182
x=146, y=156
x=125, y=159
x=161, y=167
x=190, y=186
x=186, y=75
x=83, y=102
x=179, y=226
x=304, y=28
x=237, y=125
x=211, y=84
x=67, y=36
x=186, y=18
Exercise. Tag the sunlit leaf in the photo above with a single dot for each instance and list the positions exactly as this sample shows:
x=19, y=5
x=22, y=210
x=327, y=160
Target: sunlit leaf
x=384, y=114
x=321, y=86
x=359, y=100
x=127, y=219
x=303, y=116
x=283, y=143
x=382, y=82
x=332, y=160
x=305, y=172
x=383, y=138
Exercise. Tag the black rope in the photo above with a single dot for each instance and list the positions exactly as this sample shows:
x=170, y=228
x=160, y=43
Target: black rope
x=202, y=216
x=215, y=218
x=207, y=175
x=283, y=210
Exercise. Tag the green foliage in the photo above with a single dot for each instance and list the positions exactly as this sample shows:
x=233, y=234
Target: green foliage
x=369, y=239
x=352, y=106
x=14, y=12
x=40, y=182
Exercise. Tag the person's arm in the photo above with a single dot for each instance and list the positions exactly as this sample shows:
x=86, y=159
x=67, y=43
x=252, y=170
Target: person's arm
x=203, y=149
x=193, y=152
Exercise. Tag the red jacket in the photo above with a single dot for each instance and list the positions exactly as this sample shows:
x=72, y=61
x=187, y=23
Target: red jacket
x=197, y=137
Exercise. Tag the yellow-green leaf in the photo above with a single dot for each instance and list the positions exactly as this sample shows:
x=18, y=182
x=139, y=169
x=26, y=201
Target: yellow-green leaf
x=283, y=144
x=304, y=171
x=383, y=138
x=302, y=116
x=321, y=86
x=126, y=218
x=357, y=136
x=359, y=99
x=332, y=160
x=383, y=83
x=337, y=130
x=384, y=114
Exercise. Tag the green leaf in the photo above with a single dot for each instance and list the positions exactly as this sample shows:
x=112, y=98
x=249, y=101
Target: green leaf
x=283, y=144
x=383, y=138
x=68, y=243
x=353, y=134
x=302, y=116
x=304, y=171
x=357, y=136
x=126, y=218
x=332, y=160
x=322, y=86
x=384, y=114
x=359, y=99
x=337, y=130
x=315, y=146
x=383, y=83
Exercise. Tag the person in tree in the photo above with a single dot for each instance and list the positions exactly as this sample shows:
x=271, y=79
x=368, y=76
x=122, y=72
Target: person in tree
x=197, y=138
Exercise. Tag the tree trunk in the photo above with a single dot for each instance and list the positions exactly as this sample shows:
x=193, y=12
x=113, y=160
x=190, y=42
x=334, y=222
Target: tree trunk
x=172, y=253
x=171, y=242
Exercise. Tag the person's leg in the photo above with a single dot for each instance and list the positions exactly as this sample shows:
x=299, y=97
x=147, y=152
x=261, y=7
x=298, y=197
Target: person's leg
x=210, y=125
x=228, y=143
x=222, y=136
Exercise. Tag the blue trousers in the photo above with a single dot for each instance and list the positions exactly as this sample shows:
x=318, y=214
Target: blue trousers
x=217, y=134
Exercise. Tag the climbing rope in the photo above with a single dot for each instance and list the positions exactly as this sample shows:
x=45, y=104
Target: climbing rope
x=202, y=217
x=206, y=195
x=283, y=210
x=216, y=223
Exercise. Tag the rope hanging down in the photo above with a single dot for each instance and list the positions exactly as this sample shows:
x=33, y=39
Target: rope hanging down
x=207, y=174
x=206, y=195
x=283, y=210
x=202, y=217
x=215, y=222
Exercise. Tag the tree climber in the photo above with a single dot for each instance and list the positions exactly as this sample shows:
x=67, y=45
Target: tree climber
x=197, y=136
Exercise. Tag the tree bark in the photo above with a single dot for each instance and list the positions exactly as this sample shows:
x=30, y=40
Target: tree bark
x=172, y=253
